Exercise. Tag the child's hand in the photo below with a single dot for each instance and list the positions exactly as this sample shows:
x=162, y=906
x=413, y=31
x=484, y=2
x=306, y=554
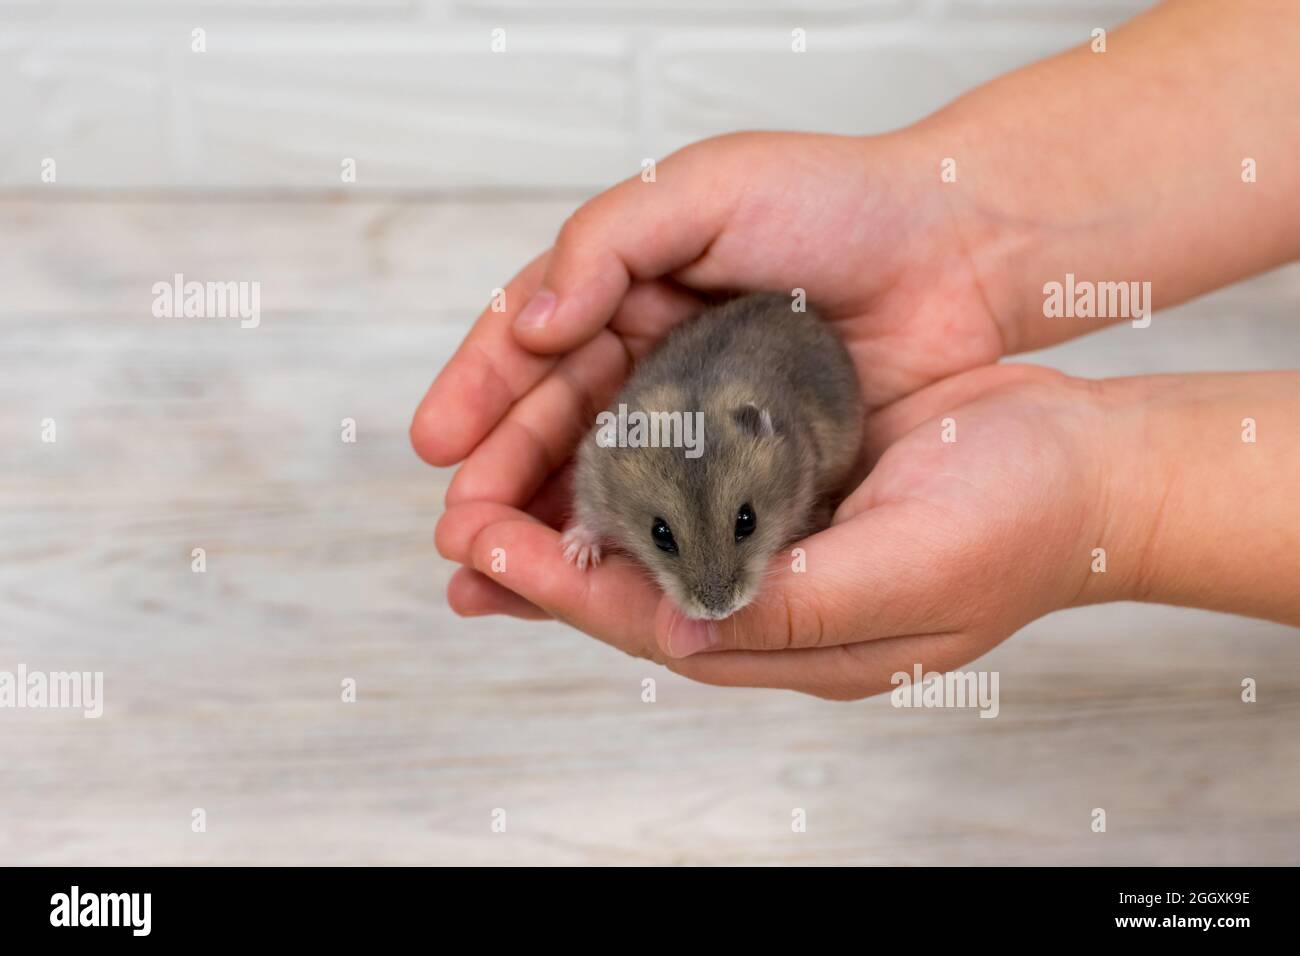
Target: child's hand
x=980, y=516
x=858, y=223
x=948, y=547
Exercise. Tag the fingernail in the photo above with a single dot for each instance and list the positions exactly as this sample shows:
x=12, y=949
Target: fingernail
x=690, y=636
x=538, y=311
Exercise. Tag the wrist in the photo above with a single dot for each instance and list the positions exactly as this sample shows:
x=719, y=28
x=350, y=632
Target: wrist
x=982, y=225
x=1199, y=508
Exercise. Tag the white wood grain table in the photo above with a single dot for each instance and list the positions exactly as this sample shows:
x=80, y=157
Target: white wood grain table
x=223, y=688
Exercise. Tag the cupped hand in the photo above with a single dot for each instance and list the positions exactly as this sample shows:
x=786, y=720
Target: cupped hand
x=860, y=224
x=989, y=492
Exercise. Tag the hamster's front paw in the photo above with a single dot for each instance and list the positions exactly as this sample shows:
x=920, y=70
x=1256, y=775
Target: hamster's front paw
x=581, y=547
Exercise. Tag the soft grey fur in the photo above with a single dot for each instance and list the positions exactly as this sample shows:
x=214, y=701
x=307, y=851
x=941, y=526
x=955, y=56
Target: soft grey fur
x=782, y=425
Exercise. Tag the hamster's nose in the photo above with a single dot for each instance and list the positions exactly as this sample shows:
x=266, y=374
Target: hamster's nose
x=717, y=597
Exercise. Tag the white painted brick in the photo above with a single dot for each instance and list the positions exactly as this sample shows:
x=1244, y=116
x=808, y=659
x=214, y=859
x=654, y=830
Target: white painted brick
x=846, y=82
x=740, y=12
x=431, y=110
x=110, y=89
x=282, y=108
x=1105, y=11
x=147, y=11
x=95, y=105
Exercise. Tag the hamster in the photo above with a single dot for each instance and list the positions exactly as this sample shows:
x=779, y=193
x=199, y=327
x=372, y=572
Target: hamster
x=767, y=428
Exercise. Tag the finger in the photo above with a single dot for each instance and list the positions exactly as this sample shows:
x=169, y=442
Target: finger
x=484, y=377
x=848, y=672
x=892, y=571
x=471, y=594
x=541, y=430
x=538, y=435
x=612, y=602
x=553, y=503
x=460, y=524
x=649, y=310
x=635, y=230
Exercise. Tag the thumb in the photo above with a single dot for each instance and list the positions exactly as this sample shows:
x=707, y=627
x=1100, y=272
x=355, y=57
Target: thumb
x=642, y=229
x=867, y=578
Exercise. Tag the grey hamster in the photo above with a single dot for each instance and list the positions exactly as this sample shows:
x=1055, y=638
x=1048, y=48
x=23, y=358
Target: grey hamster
x=724, y=446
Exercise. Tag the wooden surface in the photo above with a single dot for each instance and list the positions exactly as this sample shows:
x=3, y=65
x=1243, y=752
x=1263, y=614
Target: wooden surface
x=223, y=688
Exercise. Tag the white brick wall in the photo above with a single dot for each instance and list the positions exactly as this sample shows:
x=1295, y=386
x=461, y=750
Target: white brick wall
x=410, y=89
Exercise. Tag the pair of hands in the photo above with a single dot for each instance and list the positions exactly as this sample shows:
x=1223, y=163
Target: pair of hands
x=947, y=546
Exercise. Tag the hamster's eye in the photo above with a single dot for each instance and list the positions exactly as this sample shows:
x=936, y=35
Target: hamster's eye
x=745, y=521
x=663, y=536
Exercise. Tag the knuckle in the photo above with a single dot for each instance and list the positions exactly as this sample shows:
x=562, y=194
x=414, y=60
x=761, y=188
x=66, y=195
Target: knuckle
x=570, y=230
x=578, y=225
x=650, y=652
x=443, y=541
x=794, y=622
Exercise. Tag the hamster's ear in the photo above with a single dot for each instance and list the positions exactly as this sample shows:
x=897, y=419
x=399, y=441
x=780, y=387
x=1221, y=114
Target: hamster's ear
x=754, y=421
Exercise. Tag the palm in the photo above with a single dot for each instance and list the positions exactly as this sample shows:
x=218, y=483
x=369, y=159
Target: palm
x=883, y=263
x=1000, y=463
